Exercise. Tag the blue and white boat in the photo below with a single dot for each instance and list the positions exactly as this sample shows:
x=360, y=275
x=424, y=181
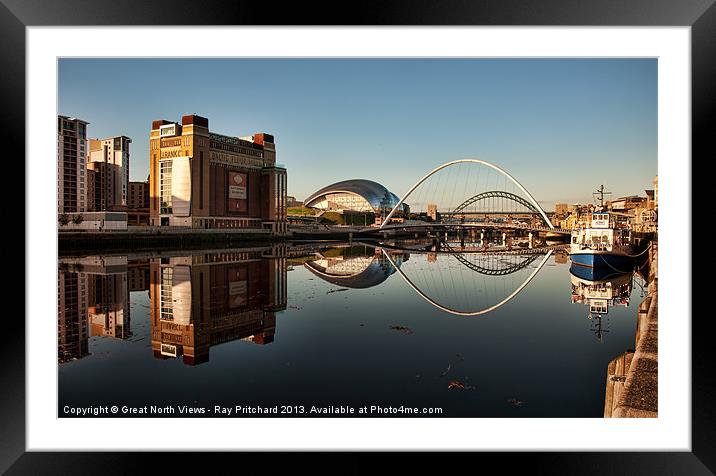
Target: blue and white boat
x=602, y=244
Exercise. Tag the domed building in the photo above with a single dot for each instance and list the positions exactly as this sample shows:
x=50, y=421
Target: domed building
x=356, y=195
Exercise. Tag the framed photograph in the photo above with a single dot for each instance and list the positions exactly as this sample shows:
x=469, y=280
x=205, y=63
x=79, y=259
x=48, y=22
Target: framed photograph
x=439, y=228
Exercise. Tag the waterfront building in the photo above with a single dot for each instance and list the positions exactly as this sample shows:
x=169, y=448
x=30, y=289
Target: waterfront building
x=109, y=160
x=138, y=195
x=561, y=209
x=205, y=300
x=623, y=204
x=356, y=195
x=292, y=202
x=71, y=174
x=201, y=179
x=138, y=203
x=656, y=193
x=433, y=211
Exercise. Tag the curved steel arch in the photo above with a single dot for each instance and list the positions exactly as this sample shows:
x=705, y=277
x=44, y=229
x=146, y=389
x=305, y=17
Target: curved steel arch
x=464, y=313
x=461, y=161
x=495, y=194
x=490, y=271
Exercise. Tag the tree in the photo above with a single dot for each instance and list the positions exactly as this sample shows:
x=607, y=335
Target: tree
x=64, y=219
x=78, y=219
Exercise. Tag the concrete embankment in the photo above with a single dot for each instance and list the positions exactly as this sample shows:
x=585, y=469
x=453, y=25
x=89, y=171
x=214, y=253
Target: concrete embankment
x=152, y=238
x=632, y=378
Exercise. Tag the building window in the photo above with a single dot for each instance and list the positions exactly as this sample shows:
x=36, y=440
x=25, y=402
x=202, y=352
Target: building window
x=165, y=186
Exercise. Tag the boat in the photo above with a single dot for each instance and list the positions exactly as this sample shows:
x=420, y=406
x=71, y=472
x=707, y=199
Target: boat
x=603, y=242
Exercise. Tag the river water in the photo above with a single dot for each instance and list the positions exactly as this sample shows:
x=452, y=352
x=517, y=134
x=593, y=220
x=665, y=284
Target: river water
x=320, y=329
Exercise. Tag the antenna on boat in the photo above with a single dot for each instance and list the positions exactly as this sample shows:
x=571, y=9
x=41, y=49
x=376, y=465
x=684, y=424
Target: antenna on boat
x=599, y=195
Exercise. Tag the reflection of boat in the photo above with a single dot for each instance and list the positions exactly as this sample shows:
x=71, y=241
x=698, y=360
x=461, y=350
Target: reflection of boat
x=604, y=243
x=612, y=290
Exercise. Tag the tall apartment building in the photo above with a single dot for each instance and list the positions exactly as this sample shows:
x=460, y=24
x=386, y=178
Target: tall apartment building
x=201, y=179
x=71, y=173
x=109, y=166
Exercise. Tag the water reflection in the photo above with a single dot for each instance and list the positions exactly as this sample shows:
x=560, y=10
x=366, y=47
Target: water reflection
x=93, y=300
x=202, y=300
x=379, y=333
x=354, y=266
x=599, y=292
x=466, y=278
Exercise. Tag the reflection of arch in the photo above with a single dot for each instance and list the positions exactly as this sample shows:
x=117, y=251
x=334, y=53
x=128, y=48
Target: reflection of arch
x=463, y=313
x=462, y=161
x=489, y=271
x=492, y=271
x=495, y=194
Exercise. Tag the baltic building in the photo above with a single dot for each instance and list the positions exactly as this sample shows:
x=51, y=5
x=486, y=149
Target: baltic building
x=200, y=179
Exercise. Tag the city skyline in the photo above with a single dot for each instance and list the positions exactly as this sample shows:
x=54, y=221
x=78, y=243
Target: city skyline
x=575, y=123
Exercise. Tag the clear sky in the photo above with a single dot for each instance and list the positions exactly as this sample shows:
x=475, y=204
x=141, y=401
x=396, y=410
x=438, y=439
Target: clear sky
x=560, y=126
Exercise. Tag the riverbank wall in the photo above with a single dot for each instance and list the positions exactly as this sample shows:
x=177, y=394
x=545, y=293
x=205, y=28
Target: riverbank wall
x=632, y=378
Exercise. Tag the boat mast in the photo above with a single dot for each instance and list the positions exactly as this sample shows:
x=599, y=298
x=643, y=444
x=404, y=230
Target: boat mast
x=599, y=195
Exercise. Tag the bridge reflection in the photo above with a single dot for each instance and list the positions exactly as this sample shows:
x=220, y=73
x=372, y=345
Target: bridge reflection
x=354, y=266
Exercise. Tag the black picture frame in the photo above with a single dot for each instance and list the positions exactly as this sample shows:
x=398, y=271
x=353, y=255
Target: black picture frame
x=700, y=15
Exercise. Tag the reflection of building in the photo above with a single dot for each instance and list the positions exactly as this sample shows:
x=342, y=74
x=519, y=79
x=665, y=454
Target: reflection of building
x=200, y=179
x=138, y=275
x=561, y=257
x=72, y=331
x=108, y=312
x=355, y=195
x=357, y=266
x=93, y=300
x=71, y=175
x=203, y=300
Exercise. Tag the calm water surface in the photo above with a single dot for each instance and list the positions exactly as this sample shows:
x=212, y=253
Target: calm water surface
x=474, y=334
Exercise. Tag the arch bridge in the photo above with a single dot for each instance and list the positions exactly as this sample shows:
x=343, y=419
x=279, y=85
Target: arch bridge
x=492, y=202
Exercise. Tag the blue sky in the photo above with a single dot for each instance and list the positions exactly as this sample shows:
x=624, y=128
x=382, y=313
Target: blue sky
x=560, y=126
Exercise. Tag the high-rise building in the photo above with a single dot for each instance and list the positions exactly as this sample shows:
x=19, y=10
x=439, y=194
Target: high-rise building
x=200, y=179
x=71, y=173
x=109, y=160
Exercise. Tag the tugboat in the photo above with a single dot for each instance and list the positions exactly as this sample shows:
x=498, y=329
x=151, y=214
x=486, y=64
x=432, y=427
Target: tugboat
x=603, y=243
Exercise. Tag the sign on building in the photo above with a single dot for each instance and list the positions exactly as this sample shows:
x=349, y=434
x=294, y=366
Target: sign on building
x=238, y=192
